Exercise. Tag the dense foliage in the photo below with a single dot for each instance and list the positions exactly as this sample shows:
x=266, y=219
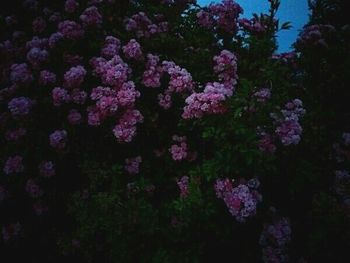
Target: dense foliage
x=163, y=131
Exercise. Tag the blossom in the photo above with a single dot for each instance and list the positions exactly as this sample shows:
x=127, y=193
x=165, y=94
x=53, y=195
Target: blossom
x=346, y=137
x=241, y=200
x=20, y=106
x=111, y=47
x=47, y=78
x=70, y=6
x=143, y=26
x=205, y=19
x=132, y=165
x=125, y=130
x=91, y=17
x=78, y=96
x=152, y=74
x=226, y=68
x=58, y=139
x=14, y=165
x=16, y=134
x=210, y=101
x=254, y=26
x=70, y=29
x=39, y=24
x=265, y=143
x=113, y=72
x=274, y=239
x=132, y=50
x=180, y=78
x=20, y=74
x=127, y=94
x=74, y=77
x=55, y=38
x=55, y=17
x=33, y=189
x=47, y=169
x=183, y=186
x=11, y=231
x=39, y=208
x=74, y=117
x=60, y=96
x=314, y=36
x=262, y=95
x=288, y=129
x=37, y=56
x=223, y=16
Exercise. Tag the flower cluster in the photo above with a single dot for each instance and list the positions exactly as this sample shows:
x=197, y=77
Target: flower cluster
x=125, y=130
x=183, y=186
x=226, y=68
x=254, y=26
x=20, y=106
x=70, y=6
x=58, y=139
x=132, y=50
x=70, y=30
x=110, y=47
x=39, y=25
x=342, y=186
x=179, y=151
x=74, y=77
x=47, y=78
x=132, y=165
x=288, y=129
x=341, y=150
x=210, y=101
x=314, y=35
x=241, y=200
x=180, y=82
x=288, y=58
x=274, y=239
x=15, y=134
x=36, y=56
x=143, y=26
x=91, y=17
x=21, y=74
x=47, y=169
x=14, y=165
x=266, y=143
x=153, y=73
x=207, y=102
x=121, y=97
x=33, y=189
x=223, y=16
x=262, y=95
x=11, y=231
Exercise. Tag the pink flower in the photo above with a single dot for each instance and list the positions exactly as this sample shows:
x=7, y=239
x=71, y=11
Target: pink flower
x=132, y=50
x=47, y=169
x=70, y=30
x=60, y=96
x=125, y=130
x=33, y=189
x=58, y=139
x=151, y=76
x=91, y=17
x=183, y=186
x=14, y=165
x=74, y=77
x=74, y=117
x=179, y=151
x=241, y=200
x=132, y=165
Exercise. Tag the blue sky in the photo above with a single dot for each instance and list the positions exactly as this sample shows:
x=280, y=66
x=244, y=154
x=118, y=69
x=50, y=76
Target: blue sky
x=295, y=11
